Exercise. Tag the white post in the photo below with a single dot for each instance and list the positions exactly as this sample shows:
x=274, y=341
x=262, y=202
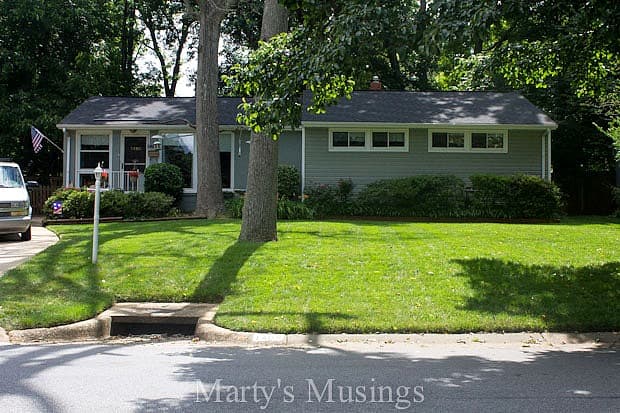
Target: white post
x=98, y=172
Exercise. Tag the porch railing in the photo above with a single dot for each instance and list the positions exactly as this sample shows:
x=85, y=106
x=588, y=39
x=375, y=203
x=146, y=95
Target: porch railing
x=124, y=181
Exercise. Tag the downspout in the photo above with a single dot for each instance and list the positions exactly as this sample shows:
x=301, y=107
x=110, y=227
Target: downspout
x=549, y=154
x=303, y=161
x=543, y=160
x=67, y=156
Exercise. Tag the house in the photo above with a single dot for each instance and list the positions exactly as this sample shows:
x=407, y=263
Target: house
x=374, y=135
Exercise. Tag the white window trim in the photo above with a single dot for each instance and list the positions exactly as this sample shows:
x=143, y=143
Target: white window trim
x=78, y=152
x=468, y=148
x=367, y=140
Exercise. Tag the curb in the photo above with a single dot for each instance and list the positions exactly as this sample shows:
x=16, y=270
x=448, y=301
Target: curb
x=4, y=337
x=94, y=328
x=215, y=334
x=100, y=326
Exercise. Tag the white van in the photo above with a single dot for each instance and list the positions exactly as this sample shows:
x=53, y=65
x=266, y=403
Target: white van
x=15, y=209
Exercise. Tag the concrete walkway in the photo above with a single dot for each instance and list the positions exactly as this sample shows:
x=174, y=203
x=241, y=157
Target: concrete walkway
x=13, y=251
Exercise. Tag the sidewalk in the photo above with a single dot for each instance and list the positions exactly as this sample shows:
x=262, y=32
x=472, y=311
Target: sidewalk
x=14, y=251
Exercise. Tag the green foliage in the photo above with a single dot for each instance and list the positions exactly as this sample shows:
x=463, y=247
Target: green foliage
x=416, y=196
x=61, y=194
x=113, y=204
x=166, y=178
x=519, y=196
x=327, y=200
x=148, y=205
x=54, y=54
x=292, y=210
x=234, y=206
x=79, y=204
x=616, y=195
x=287, y=209
x=289, y=182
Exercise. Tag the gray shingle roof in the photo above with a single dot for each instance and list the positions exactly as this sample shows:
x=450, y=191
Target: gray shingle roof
x=100, y=110
x=442, y=108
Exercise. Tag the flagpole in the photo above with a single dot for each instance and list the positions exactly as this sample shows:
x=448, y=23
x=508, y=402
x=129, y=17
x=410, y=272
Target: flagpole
x=56, y=146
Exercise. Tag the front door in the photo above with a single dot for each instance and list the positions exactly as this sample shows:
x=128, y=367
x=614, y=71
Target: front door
x=134, y=162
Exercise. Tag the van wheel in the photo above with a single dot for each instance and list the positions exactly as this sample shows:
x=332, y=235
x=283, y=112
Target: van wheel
x=27, y=236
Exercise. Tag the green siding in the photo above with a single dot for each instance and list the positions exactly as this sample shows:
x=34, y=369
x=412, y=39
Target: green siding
x=289, y=153
x=324, y=167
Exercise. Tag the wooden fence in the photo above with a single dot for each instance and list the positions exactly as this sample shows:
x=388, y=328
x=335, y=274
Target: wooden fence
x=38, y=196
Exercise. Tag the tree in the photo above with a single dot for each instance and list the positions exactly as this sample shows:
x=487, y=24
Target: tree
x=52, y=57
x=260, y=206
x=170, y=33
x=210, y=13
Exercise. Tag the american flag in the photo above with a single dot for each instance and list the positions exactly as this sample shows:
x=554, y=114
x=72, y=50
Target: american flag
x=37, y=139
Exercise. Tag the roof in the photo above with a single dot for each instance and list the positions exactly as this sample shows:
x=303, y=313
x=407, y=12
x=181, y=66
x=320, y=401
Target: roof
x=386, y=107
x=115, y=111
x=432, y=108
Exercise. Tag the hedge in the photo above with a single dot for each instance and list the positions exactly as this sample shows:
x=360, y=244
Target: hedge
x=77, y=203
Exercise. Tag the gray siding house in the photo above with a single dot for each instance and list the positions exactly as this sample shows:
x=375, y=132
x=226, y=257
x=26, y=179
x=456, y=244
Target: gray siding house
x=374, y=135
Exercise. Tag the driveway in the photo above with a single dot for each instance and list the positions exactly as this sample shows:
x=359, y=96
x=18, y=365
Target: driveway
x=13, y=251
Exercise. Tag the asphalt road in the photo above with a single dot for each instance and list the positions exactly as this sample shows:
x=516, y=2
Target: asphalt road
x=187, y=376
x=13, y=251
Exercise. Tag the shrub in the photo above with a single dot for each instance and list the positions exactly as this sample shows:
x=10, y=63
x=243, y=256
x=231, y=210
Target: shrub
x=289, y=182
x=148, y=205
x=165, y=178
x=234, y=207
x=79, y=204
x=615, y=191
x=517, y=196
x=113, y=204
x=287, y=209
x=416, y=196
x=290, y=210
x=61, y=194
x=327, y=200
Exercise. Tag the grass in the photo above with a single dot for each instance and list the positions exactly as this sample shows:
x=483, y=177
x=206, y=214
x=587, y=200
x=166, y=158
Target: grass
x=335, y=276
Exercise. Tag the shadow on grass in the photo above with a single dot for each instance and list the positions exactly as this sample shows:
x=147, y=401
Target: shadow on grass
x=43, y=293
x=565, y=298
x=314, y=322
x=223, y=273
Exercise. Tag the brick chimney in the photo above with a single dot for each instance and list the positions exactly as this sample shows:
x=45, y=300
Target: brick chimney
x=375, y=84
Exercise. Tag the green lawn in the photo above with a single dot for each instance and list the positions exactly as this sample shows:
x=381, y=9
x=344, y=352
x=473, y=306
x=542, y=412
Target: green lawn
x=335, y=276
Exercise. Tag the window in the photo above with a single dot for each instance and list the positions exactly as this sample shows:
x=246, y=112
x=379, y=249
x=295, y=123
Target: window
x=467, y=141
x=448, y=140
x=388, y=139
x=178, y=149
x=349, y=139
x=94, y=149
x=369, y=140
x=493, y=140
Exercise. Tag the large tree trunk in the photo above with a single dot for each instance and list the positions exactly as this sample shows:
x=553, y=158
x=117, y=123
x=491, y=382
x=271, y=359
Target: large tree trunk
x=209, y=199
x=259, y=222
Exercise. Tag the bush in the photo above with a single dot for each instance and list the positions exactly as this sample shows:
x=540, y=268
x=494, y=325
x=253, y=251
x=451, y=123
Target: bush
x=165, y=178
x=416, y=196
x=234, y=206
x=518, y=196
x=615, y=191
x=148, y=205
x=61, y=194
x=326, y=200
x=289, y=182
x=287, y=209
x=79, y=204
x=113, y=204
